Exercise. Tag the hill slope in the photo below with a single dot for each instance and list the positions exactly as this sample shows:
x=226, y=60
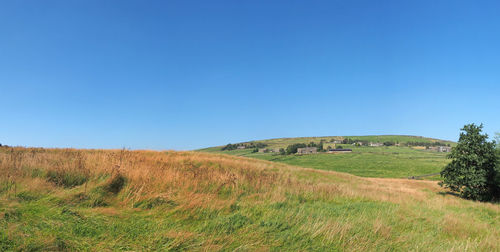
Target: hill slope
x=283, y=142
x=143, y=200
x=381, y=162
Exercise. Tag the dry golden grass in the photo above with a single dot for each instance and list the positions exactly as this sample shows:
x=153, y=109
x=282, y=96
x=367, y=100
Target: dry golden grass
x=199, y=176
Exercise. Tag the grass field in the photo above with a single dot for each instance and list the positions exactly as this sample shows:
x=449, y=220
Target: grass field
x=143, y=200
x=381, y=162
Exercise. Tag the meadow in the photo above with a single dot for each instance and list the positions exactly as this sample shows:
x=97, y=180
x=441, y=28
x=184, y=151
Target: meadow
x=379, y=162
x=66, y=199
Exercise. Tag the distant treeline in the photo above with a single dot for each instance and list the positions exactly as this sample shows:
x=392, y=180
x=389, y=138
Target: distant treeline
x=247, y=146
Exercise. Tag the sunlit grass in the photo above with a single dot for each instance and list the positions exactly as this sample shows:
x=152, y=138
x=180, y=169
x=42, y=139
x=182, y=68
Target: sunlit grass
x=200, y=201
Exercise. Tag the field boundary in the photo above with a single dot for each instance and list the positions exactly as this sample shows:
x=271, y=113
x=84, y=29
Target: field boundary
x=425, y=175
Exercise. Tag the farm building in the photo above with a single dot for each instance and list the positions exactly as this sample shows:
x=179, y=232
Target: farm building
x=376, y=144
x=307, y=150
x=272, y=150
x=443, y=149
x=240, y=147
x=340, y=151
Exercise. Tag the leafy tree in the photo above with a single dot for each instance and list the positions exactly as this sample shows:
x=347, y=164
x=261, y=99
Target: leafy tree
x=312, y=144
x=388, y=143
x=472, y=173
x=320, y=147
x=347, y=141
x=282, y=151
x=339, y=147
x=292, y=149
x=497, y=140
x=230, y=147
x=259, y=145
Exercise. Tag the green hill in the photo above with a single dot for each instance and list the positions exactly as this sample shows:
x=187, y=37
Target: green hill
x=103, y=200
x=385, y=161
x=283, y=142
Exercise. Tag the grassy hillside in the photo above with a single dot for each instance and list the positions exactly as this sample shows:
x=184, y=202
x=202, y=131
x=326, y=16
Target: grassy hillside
x=143, y=200
x=381, y=162
x=283, y=142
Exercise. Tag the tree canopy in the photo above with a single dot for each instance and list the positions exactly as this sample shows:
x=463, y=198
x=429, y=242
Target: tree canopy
x=472, y=172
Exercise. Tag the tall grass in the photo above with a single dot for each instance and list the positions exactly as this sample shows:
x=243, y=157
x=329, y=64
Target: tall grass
x=144, y=200
x=147, y=173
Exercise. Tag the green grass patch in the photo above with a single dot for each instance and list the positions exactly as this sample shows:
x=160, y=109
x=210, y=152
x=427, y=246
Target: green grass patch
x=381, y=162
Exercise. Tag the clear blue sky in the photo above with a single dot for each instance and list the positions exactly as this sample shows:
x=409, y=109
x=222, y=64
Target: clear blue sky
x=191, y=74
